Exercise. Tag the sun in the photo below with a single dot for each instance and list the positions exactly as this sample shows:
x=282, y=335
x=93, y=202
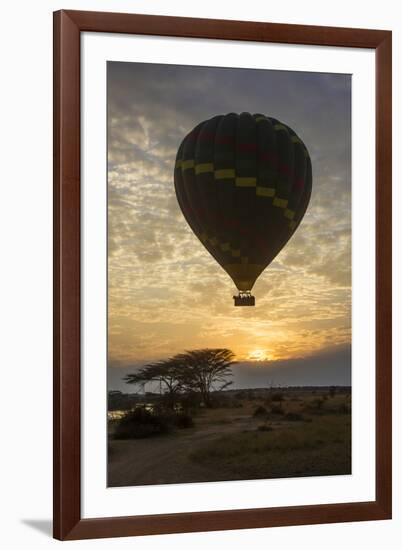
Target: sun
x=258, y=355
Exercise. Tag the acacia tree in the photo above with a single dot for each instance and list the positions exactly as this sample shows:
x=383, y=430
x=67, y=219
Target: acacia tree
x=204, y=370
x=163, y=372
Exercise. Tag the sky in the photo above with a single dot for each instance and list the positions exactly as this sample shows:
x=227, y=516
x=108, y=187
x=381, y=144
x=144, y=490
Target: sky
x=166, y=294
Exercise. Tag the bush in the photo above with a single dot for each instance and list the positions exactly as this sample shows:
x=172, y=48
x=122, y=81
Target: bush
x=184, y=421
x=141, y=423
x=277, y=409
x=265, y=428
x=294, y=417
x=277, y=397
x=189, y=402
x=260, y=411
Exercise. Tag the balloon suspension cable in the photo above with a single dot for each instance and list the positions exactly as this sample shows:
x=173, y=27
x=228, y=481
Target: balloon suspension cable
x=244, y=298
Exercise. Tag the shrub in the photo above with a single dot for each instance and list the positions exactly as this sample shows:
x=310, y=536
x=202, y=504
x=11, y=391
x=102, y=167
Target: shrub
x=265, y=428
x=294, y=417
x=277, y=397
x=189, y=402
x=184, y=421
x=141, y=423
x=277, y=409
x=260, y=411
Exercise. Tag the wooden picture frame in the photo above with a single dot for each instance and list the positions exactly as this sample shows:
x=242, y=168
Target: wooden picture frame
x=68, y=26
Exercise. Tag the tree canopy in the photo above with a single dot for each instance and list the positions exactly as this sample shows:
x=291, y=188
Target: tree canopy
x=202, y=371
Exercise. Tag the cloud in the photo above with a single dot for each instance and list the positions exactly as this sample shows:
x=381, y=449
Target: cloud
x=166, y=293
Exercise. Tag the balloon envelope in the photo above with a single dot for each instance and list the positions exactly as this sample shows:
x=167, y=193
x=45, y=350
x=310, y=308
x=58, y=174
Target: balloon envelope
x=243, y=183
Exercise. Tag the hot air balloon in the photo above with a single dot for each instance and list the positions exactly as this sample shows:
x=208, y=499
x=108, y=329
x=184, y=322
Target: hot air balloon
x=243, y=183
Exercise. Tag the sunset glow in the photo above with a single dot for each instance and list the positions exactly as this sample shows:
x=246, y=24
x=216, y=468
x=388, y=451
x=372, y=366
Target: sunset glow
x=258, y=355
x=166, y=293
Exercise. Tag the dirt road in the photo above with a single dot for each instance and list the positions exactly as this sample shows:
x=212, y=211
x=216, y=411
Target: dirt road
x=165, y=459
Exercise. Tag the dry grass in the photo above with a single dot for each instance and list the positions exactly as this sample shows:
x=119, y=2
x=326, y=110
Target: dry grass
x=311, y=437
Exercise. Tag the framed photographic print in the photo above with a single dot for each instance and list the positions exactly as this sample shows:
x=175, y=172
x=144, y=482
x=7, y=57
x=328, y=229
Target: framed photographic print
x=222, y=326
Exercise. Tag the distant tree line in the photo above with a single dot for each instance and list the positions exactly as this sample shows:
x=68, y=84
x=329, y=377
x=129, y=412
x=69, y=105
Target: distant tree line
x=198, y=371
